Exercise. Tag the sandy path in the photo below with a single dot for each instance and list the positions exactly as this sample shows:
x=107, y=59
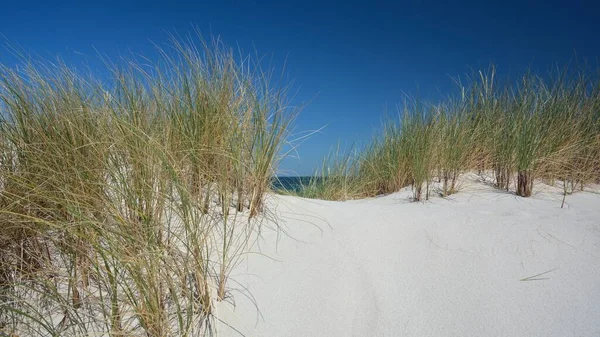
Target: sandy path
x=447, y=267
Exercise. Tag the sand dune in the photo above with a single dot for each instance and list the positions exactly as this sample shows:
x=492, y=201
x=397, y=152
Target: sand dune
x=480, y=263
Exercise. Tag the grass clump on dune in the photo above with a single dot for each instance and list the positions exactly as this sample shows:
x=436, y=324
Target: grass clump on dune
x=536, y=129
x=125, y=204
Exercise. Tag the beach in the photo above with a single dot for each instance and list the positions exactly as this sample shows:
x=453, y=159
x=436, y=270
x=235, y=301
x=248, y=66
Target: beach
x=480, y=263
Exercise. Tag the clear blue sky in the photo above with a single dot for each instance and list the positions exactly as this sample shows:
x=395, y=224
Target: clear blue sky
x=352, y=61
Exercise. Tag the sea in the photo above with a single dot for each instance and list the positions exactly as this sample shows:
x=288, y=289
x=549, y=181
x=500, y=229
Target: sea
x=290, y=184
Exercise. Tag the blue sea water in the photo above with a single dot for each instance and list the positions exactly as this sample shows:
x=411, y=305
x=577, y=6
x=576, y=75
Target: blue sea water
x=290, y=184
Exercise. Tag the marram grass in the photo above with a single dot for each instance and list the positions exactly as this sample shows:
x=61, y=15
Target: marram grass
x=535, y=129
x=125, y=204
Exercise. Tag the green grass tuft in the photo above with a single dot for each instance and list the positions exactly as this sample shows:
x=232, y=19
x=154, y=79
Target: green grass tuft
x=125, y=204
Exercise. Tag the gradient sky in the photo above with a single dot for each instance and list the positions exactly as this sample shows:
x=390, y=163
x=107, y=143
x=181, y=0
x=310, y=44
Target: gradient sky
x=350, y=62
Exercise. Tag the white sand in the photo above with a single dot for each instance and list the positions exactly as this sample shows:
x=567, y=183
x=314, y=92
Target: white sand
x=445, y=267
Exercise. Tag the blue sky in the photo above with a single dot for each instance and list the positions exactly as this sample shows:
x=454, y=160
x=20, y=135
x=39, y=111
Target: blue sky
x=350, y=62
